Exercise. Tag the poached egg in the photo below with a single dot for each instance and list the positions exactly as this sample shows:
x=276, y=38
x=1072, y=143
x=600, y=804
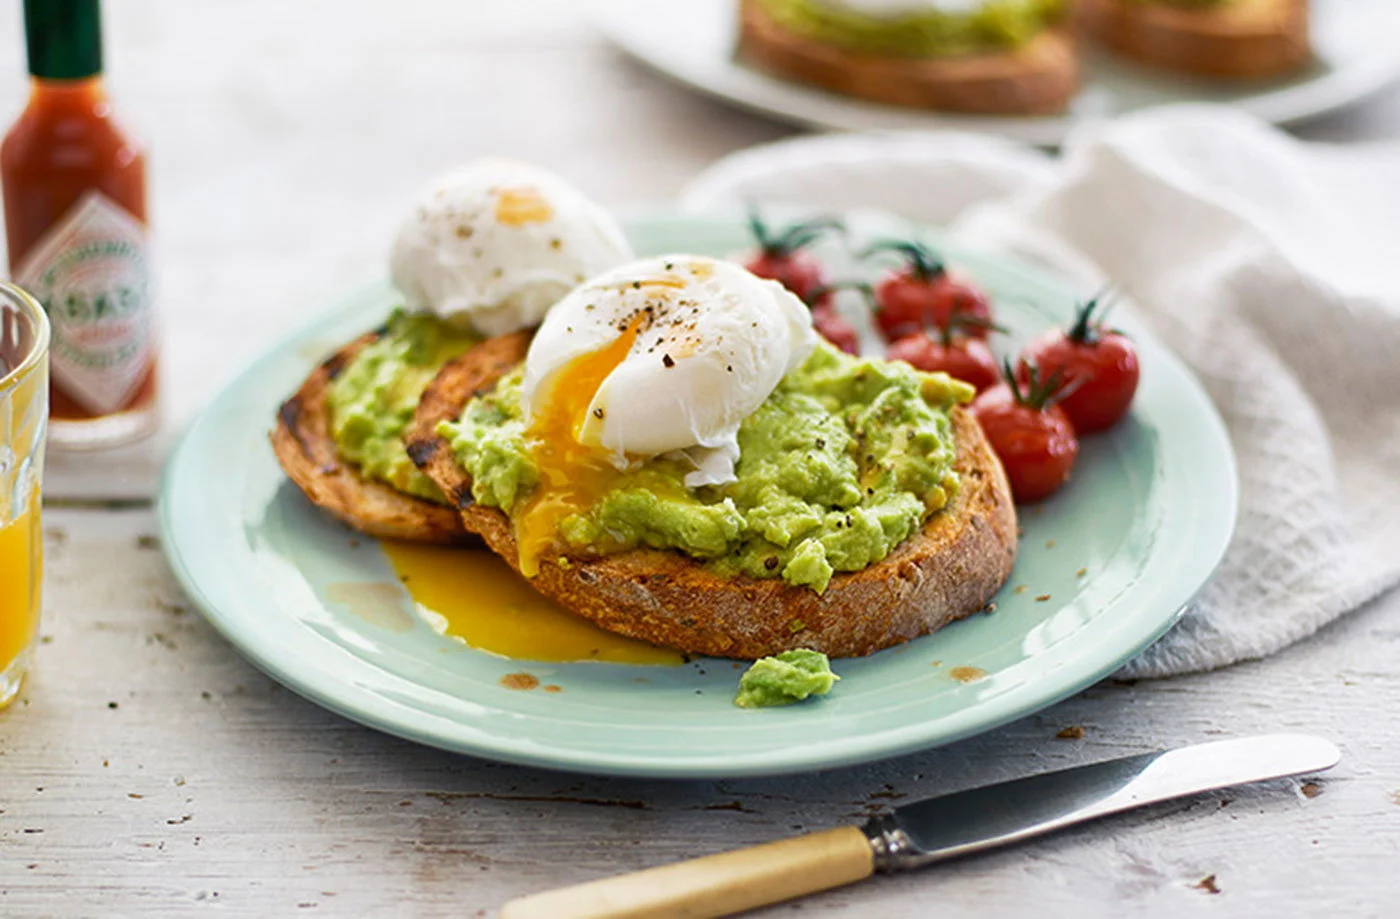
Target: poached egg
x=661, y=357
x=496, y=243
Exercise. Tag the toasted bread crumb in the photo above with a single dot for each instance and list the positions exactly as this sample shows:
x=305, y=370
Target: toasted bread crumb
x=1042, y=598
x=1074, y=732
x=1207, y=884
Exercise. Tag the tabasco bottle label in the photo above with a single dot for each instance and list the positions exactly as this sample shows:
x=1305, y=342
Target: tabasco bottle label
x=91, y=273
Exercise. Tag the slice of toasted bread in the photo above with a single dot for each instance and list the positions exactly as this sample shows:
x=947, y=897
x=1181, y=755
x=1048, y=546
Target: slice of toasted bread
x=949, y=570
x=307, y=452
x=473, y=373
x=1037, y=79
x=1241, y=40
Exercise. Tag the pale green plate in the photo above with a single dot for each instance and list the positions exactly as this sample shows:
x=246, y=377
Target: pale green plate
x=1148, y=516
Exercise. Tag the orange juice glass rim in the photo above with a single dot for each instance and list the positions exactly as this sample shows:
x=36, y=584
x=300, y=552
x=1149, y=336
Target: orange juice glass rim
x=39, y=322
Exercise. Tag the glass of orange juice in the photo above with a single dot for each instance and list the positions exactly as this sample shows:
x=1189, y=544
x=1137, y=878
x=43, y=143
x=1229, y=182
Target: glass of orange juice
x=24, y=412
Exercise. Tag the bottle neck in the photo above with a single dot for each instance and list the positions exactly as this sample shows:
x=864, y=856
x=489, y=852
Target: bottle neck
x=86, y=96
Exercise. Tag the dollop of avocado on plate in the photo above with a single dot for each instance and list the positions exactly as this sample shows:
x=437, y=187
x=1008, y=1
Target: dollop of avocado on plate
x=789, y=677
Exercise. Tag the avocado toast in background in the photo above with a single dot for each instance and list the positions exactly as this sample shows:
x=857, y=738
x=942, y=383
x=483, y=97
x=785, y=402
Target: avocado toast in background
x=1229, y=39
x=487, y=249
x=680, y=461
x=1003, y=57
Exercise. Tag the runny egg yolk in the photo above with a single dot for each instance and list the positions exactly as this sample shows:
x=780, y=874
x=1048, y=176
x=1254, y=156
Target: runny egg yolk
x=472, y=596
x=572, y=475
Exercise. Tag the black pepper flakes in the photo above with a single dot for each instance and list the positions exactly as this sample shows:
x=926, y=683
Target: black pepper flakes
x=598, y=412
x=667, y=362
x=770, y=562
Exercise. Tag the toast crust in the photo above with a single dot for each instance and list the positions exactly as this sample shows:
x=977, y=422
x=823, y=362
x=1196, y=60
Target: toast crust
x=307, y=453
x=1245, y=40
x=949, y=570
x=1037, y=79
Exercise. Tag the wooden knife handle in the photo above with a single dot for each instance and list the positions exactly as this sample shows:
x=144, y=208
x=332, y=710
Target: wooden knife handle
x=717, y=885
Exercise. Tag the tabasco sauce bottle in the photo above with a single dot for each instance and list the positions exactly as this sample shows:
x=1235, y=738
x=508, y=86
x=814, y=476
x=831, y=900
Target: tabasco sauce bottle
x=75, y=220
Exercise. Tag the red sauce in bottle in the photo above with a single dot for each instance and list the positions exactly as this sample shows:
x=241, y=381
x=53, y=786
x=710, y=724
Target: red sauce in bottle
x=75, y=222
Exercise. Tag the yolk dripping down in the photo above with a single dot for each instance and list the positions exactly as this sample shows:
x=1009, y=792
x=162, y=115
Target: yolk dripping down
x=572, y=475
x=491, y=608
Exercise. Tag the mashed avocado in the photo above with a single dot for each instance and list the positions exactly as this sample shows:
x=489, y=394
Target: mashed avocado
x=842, y=463
x=790, y=677
x=373, y=398
x=996, y=25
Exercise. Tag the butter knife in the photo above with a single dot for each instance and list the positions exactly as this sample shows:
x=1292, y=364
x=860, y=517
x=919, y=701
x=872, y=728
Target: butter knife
x=928, y=831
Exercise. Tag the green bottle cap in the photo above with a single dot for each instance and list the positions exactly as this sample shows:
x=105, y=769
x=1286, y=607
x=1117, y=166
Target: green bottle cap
x=64, y=38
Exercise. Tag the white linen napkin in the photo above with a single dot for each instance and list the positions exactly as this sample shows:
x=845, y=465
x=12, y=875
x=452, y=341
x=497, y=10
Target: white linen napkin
x=1272, y=266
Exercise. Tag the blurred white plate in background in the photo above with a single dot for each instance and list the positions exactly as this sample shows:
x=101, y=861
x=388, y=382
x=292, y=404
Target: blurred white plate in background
x=693, y=42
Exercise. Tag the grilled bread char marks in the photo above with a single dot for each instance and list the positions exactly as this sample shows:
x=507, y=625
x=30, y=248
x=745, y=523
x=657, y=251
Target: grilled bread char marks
x=460, y=379
x=1039, y=78
x=949, y=570
x=308, y=454
x=1240, y=40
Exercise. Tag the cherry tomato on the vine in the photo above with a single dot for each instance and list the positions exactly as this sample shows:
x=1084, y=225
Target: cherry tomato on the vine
x=1030, y=434
x=1097, y=366
x=952, y=351
x=782, y=257
x=832, y=326
x=922, y=293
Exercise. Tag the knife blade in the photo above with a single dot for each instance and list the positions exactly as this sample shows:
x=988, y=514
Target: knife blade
x=970, y=821
x=932, y=830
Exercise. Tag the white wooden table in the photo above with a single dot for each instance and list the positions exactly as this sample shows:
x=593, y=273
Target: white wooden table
x=149, y=770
